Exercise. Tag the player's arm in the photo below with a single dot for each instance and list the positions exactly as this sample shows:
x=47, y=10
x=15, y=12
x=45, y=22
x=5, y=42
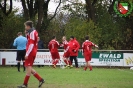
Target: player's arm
x=94, y=45
x=49, y=46
x=83, y=48
x=78, y=46
x=66, y=49
x=62, y=44
x=31, y=44
x=58, y=44
x=26, y=40
x=15, y=42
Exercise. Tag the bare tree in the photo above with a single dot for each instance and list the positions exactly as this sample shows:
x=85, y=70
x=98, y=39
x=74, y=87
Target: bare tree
x=3, y=7
x=90, y=9
x=30, y=8
x=38, y=7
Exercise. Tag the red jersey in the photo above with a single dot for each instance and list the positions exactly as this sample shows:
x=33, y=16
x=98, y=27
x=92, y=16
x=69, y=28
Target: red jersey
x=31, y=47
x=65, y=45
x=87, y=46
x=53, y=46
x=74, y=45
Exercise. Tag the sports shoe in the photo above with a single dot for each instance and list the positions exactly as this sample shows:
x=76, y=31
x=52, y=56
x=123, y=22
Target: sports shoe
x=90, y=69
x=54, y=66
x=71, y=66
x=18, y=70
x=40, y=83
x=67, y=66
x=22, y=86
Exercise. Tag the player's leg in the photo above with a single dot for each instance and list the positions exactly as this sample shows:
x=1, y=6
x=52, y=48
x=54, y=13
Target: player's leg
x=18, y=65
x=71, y=61
x=28, y=65
x=57, y=56
x=86, y=56
x=53, y=63
x=76, y=61
x=53, y=59
x=38, y=77
x=65, y=59
x=28, y=73
x=86, y=65
x=89, y=65
x=27, y=76
x=18, y=59
x=67, y=55
x=56, y=61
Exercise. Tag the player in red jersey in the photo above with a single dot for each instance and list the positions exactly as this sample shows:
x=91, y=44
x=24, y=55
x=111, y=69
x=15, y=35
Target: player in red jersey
x=74, y=47
x=53, y=48
x=66, y=54
x=87, y=52
x=31, y=50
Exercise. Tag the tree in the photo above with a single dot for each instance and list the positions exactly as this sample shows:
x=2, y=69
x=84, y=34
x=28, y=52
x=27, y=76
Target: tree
x=40, y=8
x=11, y=25
x=3, y=7
x=90, y=9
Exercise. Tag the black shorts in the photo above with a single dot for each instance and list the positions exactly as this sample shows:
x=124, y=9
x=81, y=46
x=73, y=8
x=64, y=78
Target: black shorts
x=21, y=55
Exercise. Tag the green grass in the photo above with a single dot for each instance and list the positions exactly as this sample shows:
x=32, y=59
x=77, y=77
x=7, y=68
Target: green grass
x=70, y=78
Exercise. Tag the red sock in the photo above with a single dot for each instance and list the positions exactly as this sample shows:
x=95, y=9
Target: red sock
x=37, y=76
x=85, y=68
x=69, y=62
x=53, y=62
x=56, y=62
x=90, y=68
x=66, y=62
x=26, y=79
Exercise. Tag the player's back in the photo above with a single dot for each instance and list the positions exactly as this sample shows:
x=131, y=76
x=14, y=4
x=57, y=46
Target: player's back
x=21, y=42
x=32, y=41
x=87, y=46
x=53, y=46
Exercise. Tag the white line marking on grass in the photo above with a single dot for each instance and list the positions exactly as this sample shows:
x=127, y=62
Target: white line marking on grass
x=125, y=71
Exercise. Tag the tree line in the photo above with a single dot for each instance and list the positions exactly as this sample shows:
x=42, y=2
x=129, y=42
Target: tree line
x=95, y=18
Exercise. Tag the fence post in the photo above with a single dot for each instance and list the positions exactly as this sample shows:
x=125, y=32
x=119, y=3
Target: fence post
x=3, y=61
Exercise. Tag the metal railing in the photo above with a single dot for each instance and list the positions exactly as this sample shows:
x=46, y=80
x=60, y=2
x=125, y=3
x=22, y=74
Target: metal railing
x=80, y=50
x=62, y=50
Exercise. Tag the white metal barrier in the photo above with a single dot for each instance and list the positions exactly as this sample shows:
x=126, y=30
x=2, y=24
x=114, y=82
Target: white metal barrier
x=99, y=57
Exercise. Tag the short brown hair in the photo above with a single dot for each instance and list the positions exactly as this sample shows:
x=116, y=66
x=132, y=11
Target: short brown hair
x=19, y=33
x=86, y=37
x=29, y=23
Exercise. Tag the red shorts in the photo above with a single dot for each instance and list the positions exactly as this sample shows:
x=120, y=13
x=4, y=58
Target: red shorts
x=55, y=55
x=30, y=60
x=87, y=56
x=66, y=55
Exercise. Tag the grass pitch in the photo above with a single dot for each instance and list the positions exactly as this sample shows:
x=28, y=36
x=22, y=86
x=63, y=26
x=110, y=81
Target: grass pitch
x=69, y=78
